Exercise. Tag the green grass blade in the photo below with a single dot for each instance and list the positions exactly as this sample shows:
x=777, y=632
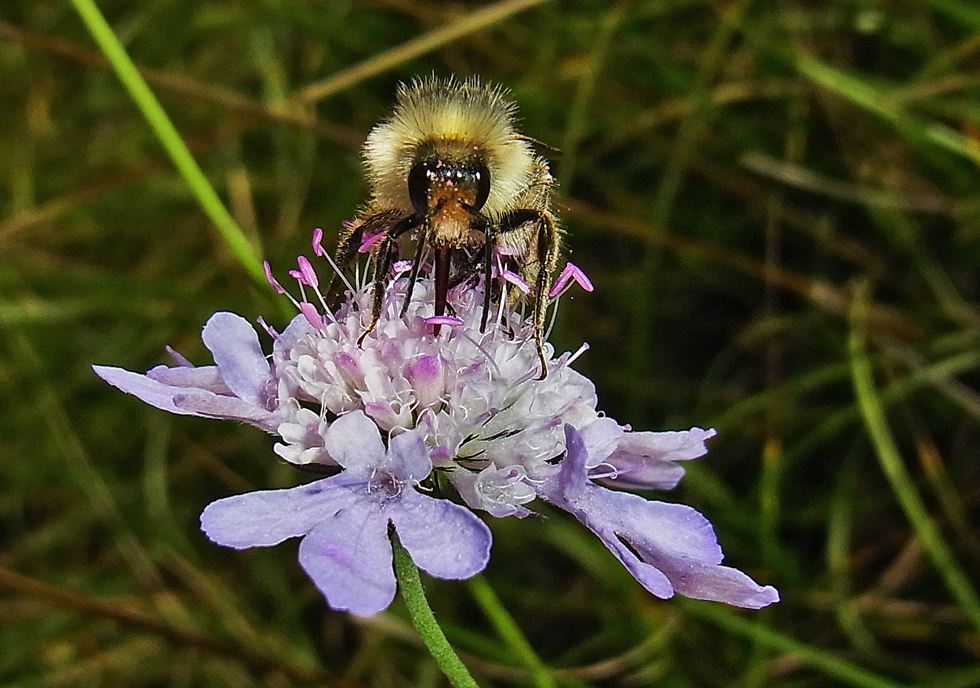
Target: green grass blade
x=171, y=140
x=894, y=469
x=509, y=631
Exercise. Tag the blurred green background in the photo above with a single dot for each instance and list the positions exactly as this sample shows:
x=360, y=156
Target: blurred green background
x=734, y=173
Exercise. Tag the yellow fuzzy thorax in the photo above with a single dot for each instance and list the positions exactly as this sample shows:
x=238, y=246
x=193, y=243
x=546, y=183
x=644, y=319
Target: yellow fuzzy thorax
x=449, y=116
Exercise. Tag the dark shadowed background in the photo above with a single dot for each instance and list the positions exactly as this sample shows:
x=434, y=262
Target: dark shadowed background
x=733, y=174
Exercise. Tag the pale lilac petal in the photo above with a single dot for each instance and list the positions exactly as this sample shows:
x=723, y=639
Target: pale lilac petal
x=409, y=457
x=501, y=492
x=675, y=530
x=572, y=482
x=382, y=414
x=701, y=581
x=152, y=392
x=663, y=575
x=187, y=401
x=297, y=329
x=427, y=375
x=208, y=405
x=354, y=442
x=681, y=445
x=235, y=346
x=303, y=439
x=640, y=475
x=649, y=576
x=179, y=358
x=267, y=517
x=654, y=540
x=601, y=438
x=198, y=377
x=446, y=540
x=645, y=460
x=348, y=557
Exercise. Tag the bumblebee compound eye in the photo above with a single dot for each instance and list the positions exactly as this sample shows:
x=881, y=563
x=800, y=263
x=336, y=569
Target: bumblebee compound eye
x=482, y=177
x=419, y=180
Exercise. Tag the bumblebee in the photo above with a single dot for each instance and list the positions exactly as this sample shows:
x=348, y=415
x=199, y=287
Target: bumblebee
x=449, y=171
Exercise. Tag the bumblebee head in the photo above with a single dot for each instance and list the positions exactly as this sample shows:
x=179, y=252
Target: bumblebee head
x=448, y=140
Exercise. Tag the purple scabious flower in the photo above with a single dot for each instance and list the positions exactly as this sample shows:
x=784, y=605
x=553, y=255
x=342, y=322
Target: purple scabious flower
x=402, y=406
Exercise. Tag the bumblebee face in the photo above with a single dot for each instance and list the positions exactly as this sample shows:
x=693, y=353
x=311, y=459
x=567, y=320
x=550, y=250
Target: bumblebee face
x=433, y=183
x=447, y=193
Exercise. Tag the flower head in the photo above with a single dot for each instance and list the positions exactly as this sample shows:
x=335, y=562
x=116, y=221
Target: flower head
x=447, y=402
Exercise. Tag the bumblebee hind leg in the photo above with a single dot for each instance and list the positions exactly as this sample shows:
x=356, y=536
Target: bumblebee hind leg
x=538, y=232
x=547, y=249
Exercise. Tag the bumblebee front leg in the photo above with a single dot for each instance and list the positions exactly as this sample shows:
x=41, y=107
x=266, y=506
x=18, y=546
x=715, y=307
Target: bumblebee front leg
x=392, y=225
x=349, y=243
x=391, y=222
x=382, y=266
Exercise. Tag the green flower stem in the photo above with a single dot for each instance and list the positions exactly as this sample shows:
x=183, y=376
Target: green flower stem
x=410, y=584
x=232, y=234
x=894, y=469
x=509, y=631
